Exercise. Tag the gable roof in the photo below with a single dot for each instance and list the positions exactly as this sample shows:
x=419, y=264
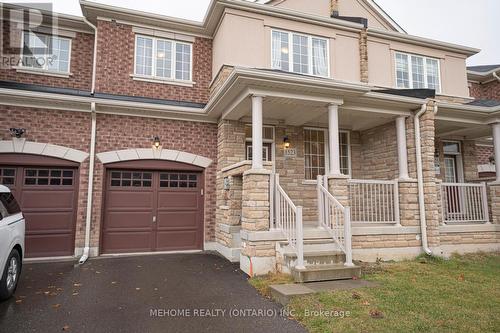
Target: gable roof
x=371, y=4
x=483, y=73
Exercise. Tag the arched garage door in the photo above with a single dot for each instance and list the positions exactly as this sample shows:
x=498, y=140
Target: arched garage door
x=46, y=189
x=152, y=206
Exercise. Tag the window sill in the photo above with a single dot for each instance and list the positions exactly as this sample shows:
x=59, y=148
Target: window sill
x=42, y=72
x=162, y=81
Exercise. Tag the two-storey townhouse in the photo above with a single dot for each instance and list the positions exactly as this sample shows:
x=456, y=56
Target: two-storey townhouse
x=281, y=135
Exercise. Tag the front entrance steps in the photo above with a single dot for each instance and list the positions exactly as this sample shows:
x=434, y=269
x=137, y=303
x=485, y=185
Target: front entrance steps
x=323, y=261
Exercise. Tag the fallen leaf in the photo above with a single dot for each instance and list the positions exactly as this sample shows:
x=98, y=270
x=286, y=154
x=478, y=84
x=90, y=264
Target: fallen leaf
x=77, y=285
x=137, y=289
x=65, y=328
x=59, y=289
x=97, y=272
x=366, y=303
x=461, y=277
x=139, y=266
x=376, y=314
x=355, y=295
x=75, y=293
x=113, y=282
x=53, y=294
x=46, y=292
x=21, y=297
x=56, y=306
x=355, y=278
x=19, y=301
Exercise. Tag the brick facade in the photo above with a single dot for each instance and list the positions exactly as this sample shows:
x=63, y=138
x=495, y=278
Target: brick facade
x=115, y=65
x=490, y=90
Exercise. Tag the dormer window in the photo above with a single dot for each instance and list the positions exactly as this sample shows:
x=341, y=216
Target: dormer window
x=45, y=52
x=163, y=59
x=417, y=72
x=298, y=53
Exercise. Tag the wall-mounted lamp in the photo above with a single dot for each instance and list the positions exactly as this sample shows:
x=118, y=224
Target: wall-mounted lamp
x=156, y=142
x=286, y=142
x=17, y=132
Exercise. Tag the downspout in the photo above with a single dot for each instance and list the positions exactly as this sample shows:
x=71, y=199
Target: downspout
x=495, y=75
x=420, y=177
x=90, y=189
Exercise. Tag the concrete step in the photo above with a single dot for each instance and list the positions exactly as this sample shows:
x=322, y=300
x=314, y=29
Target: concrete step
x=315, y=258
x=325, y=273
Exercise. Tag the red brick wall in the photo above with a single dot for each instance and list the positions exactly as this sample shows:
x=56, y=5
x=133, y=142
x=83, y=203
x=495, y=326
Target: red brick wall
x=68, y=129
x=489, y=90
x=483, y=154
x=115, y=64
x=82, y=49
x=125, y=132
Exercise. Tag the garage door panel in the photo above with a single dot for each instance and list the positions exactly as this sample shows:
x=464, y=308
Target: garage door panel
x=177, y=240
x=48, y=245
x=47, y=195
x=135, y=241
x=178, y=220
x=129, y=220
x=49, y=221
x=130, y=200
x=48, y=199
x=175, y=200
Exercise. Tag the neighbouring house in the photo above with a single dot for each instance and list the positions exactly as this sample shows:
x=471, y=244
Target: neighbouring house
x=484, y=86
x=289, y=135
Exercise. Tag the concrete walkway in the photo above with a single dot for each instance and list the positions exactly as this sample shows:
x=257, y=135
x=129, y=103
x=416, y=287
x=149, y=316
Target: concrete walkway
x=162, y=293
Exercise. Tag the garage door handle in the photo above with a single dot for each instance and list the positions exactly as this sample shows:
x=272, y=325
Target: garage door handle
x=154, y=219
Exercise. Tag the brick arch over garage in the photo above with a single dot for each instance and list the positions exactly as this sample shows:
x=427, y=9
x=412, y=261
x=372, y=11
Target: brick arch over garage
x=21, y=146
x=153, y=154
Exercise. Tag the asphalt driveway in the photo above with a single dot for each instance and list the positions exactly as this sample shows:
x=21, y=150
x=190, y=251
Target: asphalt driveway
x=161, y=293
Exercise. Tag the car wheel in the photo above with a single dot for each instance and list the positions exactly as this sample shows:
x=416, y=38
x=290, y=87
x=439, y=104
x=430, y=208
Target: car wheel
x=10, y=277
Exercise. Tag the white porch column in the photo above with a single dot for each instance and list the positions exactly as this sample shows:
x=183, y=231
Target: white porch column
x=257, y=132
x=333, y=139
x=496, y=145
x=402, y=148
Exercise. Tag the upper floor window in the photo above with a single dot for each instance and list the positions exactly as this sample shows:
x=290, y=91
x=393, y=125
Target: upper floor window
x=45, y=52
x=297, y=53
x=417, y=72
x=163, y=58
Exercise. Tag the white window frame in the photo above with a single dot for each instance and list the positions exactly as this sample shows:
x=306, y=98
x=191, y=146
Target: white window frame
x=459, y=160
x=327, y=150
x=410, y=70
x=264, y=140
x=173, y=60
x=46, y=66
x=309, y=49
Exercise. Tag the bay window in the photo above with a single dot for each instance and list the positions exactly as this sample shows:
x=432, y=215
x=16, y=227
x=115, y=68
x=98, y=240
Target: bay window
x=163, y=59
x=298, y=53
x=315, y=152
x=417, y=72
x=46, y=52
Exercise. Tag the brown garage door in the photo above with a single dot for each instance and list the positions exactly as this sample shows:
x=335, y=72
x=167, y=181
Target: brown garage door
x=149, y=210
x=47, y=196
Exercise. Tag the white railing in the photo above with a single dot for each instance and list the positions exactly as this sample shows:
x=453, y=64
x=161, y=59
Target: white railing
x=289, y=220
x=374, y=201
x=335, y=218
x=464, y=203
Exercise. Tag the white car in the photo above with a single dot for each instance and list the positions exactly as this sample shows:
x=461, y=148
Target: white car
x=12, y=228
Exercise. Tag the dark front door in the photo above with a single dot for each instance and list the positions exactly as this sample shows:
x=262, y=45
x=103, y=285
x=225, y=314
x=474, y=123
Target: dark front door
x=47, y=196
x=152, y=211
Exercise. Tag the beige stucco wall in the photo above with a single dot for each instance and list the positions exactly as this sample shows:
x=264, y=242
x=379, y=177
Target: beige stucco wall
x=382, y=70
x=357, y=8
x=244, y=39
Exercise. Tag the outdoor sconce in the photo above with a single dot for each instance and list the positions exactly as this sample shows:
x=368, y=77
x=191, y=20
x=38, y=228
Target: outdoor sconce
x=156, y=142
x=286, y=142
x=17, y=132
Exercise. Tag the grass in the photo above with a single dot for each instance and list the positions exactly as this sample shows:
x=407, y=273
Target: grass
x=428, y=294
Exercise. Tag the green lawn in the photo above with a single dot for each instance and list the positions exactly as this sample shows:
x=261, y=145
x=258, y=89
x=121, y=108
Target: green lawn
x=425, y=295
